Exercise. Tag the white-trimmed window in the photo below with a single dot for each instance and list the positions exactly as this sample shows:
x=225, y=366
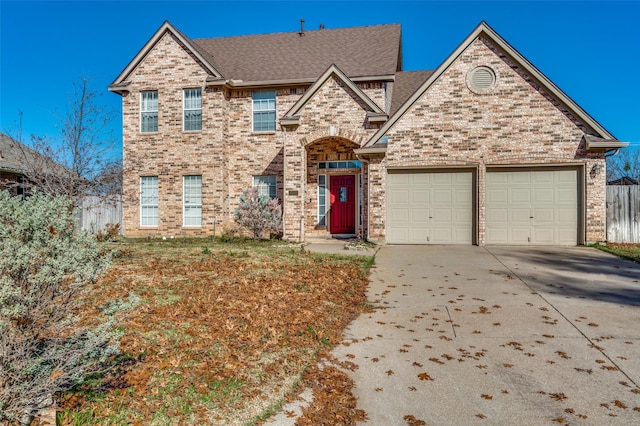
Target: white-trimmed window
x=322, y=200
x=149, y=201
x=149, y=111
x=192, y=109
x=192, y=201
x=267, y=185
x=264, y=111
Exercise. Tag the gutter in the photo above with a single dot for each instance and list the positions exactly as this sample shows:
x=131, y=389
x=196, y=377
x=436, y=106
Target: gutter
x=230, y=83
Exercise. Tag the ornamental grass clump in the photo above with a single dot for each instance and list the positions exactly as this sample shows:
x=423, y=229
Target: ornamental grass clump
x=46, y=345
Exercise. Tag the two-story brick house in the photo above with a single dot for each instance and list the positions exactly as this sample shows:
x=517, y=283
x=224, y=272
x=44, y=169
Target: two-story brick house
x=485, y=149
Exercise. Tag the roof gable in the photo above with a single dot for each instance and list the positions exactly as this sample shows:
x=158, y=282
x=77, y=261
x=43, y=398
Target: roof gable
x=120, y=83
x=483, y=29
x=374, y=112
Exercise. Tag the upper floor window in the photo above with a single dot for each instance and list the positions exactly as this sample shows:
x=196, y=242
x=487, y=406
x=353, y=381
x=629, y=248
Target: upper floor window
x=149, y=111
x=267, y=185
x=192, y=112
x=264, y=111
x=149, y=201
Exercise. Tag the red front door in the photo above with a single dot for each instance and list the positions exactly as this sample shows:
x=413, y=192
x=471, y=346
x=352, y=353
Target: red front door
x=342, y=216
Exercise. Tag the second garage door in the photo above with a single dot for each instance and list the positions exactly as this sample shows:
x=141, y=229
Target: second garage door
x=429, y=207
x=532, y=207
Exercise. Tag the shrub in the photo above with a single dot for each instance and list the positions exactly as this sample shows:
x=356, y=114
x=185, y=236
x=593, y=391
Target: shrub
x=44, y=266
x=110, y=233
x=259, y=214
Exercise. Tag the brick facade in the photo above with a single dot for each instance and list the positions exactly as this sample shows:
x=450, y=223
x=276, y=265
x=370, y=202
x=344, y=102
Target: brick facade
x=227, y=153
x=517, y=123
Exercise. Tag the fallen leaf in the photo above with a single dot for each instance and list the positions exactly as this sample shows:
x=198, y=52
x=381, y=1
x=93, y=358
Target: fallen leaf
x=425, y=376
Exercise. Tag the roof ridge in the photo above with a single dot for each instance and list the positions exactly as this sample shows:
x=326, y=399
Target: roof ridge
x=297, y=32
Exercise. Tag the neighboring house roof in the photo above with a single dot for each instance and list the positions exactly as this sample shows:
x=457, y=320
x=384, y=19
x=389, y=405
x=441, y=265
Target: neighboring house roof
x=483, y=29
x=625, y=180
x=18, y=158
x=372, y=51
x=405, y=85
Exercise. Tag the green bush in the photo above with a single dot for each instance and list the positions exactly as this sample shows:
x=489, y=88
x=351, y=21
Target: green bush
x=45, y=264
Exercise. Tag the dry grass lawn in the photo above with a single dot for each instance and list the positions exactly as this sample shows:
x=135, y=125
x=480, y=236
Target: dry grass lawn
x=224, y=333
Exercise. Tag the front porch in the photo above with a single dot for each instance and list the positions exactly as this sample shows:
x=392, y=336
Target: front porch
x=333, y=195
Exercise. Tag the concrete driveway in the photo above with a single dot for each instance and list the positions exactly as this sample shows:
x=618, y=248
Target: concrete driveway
x=500, y=335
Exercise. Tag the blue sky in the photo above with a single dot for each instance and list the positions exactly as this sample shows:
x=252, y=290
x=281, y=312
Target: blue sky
x=589, y=49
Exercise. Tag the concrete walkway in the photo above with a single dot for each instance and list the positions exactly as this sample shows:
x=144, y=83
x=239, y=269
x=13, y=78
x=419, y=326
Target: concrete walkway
x=471, y=335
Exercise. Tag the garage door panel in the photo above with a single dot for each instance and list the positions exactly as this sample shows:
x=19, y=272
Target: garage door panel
x=516, y=215
x=521, y=178
x=520, y=196
x=419, y=179
x=543, y=195
x=419, y=216
x=420, y=196
x=398, y=197
x=566, y=176
x=495, y=196
x=398, y=234
x=543, y=235
x=438, y=204
x=441, y=197
x=497, y=235
x=567, y=237
x=566, y=196
x=545, y=178
x=542, y=207
x=497, y=216
x=518, y=235
x=566, y=216
x=544, y=216
x=440, y=179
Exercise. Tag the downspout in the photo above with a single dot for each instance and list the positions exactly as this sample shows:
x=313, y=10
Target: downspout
x=284, y=176
x=303, y=190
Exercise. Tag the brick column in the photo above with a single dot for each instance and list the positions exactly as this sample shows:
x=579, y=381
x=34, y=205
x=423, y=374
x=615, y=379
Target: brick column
x=294, y=190
x=596, y=199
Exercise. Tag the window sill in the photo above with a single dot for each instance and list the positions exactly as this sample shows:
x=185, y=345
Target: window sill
x=266, y=132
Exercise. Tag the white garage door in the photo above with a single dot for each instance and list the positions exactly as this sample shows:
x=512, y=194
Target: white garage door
x=429, y=208
x=532, y=207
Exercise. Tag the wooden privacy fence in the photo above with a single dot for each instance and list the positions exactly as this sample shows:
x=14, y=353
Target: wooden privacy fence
x=97, y=212
x=623, y=213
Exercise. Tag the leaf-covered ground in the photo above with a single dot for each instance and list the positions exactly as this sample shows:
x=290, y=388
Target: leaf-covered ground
x=223, y=334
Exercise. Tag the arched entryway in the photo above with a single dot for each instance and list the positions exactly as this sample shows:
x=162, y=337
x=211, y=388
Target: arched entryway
x=334, y=188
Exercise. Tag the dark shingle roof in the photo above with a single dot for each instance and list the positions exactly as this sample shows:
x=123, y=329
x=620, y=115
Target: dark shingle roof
x=19, y=158
x=358, y=51
x=405, y=85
